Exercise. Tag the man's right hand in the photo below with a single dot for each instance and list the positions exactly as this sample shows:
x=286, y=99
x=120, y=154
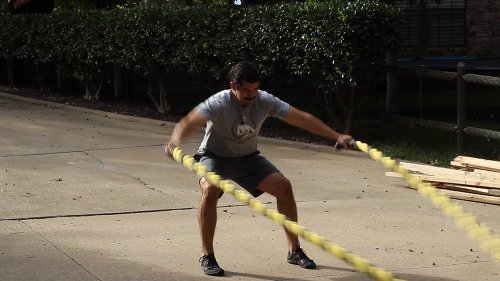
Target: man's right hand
x=169, y=150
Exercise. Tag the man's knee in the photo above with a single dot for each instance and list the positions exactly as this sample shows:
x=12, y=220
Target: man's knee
x=281, y=187
x=209, y=191
x=286, y=187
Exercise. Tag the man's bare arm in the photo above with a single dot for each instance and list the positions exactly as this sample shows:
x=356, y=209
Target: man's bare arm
x=184, y=129
x=314, y=125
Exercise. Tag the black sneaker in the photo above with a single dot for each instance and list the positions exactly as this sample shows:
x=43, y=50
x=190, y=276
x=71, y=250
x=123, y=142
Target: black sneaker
x=300, y=258
x=210, y=266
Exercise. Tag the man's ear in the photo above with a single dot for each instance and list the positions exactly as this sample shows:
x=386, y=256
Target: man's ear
x=233, y=86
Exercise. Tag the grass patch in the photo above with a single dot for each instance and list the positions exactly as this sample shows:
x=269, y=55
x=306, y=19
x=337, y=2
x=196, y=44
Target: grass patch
x=414, y=143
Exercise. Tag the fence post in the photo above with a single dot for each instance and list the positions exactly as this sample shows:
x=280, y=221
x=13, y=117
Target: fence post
x=392, y=85
x=461, y=107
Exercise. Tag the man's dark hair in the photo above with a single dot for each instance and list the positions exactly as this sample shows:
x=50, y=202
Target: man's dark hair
x=244, y=71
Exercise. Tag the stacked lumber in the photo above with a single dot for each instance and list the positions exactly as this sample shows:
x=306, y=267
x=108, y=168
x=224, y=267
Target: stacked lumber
x=469, y=178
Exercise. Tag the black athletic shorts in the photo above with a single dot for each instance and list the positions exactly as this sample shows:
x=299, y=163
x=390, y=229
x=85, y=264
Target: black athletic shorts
x=247, y=171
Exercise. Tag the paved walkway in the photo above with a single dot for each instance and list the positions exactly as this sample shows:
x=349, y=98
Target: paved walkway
x=87, y=195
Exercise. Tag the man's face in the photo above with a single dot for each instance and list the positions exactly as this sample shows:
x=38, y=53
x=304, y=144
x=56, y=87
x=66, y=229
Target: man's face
x=246, y=93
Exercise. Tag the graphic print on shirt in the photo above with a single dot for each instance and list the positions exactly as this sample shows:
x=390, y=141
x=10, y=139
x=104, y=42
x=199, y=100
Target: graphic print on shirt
x=243, y=131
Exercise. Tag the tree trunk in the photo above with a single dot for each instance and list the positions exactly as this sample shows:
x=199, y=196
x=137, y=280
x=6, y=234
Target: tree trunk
x=126, y=84
x=88, y=90
x=164, y=103
x=350, y=114
x=10, y=71
x=332, y=113
x=92, y=88
x=150, y=91
x=98, y=88
x=60, y=77
x=392, y=86
x=118, y=80
x=42, y=77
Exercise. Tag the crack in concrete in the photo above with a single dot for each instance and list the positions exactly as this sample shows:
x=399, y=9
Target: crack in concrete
x=96, y=214
x=79, y=151
x=147, y=185
x=97, y=158
x=119, y=213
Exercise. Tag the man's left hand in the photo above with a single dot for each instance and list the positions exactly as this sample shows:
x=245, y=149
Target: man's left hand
x=344, y=140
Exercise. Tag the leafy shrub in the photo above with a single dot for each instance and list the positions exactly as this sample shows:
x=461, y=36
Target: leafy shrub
x=334, y=42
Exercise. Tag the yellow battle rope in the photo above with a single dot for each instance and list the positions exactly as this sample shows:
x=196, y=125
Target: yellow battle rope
x=360, y=264
x=488, y=242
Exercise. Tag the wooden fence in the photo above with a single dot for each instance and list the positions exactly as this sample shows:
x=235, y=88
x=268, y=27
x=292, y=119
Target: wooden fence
x=461, y=78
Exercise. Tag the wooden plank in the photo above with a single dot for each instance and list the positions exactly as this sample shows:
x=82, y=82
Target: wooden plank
x=393, y=175
x=484, y=133
x=459, y=165
x=446, y=172
x=471, y=197
x=455, y=194
x=439, y=171
x=428, y=170
x=465, y=180
x=458, y=180
x=479, y=163
x=469, y=189
x=485, y=172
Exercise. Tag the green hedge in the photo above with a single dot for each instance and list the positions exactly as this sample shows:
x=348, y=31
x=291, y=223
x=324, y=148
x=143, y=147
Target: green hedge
x=330, y=42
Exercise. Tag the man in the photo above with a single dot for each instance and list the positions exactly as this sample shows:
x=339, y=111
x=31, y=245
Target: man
x=233, y=119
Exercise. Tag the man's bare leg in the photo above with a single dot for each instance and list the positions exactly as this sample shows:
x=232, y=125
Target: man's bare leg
x=207, y=220
x=279, y=186
x=207, y=215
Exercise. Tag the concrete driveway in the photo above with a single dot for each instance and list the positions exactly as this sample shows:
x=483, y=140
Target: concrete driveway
x=87, y=195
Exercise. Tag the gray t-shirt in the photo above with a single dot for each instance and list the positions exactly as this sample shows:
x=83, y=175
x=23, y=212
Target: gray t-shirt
x=232, y=129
